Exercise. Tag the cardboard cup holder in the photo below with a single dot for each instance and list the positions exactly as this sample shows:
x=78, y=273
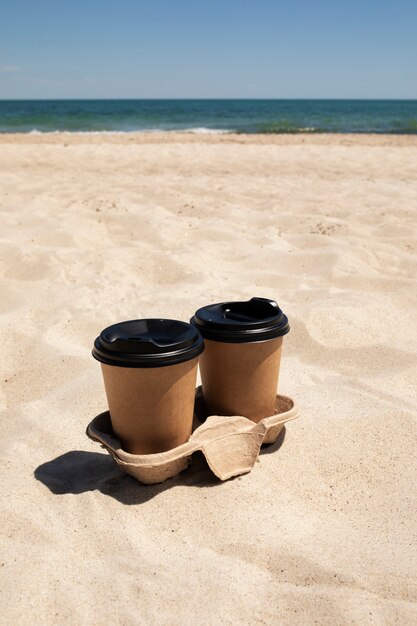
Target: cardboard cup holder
x=230, y=445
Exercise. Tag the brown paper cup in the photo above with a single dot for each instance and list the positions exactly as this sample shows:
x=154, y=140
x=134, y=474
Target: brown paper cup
x=241, y=378
x=149, y=368
x=240, y=365
x=151, y=409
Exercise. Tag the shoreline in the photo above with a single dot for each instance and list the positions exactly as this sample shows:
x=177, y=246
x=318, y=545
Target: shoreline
x=151, y=137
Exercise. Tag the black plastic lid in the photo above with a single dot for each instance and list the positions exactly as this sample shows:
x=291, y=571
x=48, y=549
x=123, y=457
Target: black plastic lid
x=148, y=343
x=257, y=319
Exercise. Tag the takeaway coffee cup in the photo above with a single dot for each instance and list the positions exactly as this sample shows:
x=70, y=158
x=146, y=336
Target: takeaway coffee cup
x=240, y=364
x=149, y=368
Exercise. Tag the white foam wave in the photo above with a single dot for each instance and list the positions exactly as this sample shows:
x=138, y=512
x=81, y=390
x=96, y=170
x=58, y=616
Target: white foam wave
x=206, y=131
x=196, y=131
x=35, y=131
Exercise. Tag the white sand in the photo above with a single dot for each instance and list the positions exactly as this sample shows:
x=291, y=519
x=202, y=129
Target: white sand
x=97, y=229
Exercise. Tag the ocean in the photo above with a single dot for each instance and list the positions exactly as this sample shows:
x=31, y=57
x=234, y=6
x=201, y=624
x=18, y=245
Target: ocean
x=210, y=116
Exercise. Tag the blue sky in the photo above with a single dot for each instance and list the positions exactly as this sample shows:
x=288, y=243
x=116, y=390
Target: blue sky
x=210, y=48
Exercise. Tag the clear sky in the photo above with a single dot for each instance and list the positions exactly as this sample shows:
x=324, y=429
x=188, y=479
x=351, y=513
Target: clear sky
x=208, y=49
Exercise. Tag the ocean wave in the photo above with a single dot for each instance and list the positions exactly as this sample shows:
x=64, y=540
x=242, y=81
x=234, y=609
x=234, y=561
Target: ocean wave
x=194, y=130
x=197, y=131
x=36, y=131
x=406, y=129
x=206, y=131
x=277, y=129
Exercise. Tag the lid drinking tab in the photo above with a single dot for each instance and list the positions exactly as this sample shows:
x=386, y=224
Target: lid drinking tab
x=257, y=319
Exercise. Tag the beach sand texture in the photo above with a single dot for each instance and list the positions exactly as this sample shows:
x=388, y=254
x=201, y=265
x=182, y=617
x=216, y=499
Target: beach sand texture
x=98, y=229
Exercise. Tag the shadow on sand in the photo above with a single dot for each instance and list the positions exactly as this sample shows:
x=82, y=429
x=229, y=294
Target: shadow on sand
x=79, y=471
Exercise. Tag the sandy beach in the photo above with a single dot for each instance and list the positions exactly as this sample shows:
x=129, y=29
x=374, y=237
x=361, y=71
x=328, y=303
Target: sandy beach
x=106, y=227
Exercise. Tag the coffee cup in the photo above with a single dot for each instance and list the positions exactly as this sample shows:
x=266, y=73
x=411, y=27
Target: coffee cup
x=241, y=361
x=149, y=368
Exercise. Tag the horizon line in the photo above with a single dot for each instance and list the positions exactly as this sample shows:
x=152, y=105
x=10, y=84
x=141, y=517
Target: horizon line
x=203, y=98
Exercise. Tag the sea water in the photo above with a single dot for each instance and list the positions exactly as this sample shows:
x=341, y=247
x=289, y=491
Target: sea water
x=210, y=116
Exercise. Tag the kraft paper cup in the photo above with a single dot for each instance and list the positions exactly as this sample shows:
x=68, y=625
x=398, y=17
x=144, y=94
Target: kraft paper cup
x=149, y=369
x=240, y=365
